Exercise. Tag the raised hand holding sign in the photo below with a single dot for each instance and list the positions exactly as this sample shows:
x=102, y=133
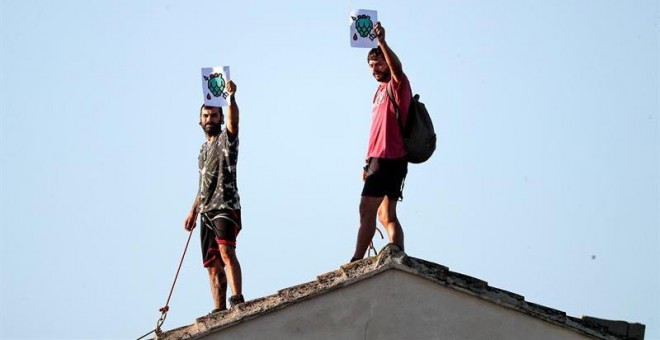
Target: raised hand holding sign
x=214, y=85
x=362, y=22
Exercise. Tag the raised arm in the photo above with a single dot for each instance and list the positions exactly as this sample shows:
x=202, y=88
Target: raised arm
x=390, y=57
x=232, y=112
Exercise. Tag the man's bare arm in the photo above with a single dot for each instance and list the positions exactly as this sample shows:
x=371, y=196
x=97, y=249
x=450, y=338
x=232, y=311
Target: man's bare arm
x=390, y=57
x=232, y=112
x=191, y=219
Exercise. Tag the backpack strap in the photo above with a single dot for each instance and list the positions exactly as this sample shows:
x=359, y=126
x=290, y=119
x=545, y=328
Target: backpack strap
x=398, y=119
x=396, y=108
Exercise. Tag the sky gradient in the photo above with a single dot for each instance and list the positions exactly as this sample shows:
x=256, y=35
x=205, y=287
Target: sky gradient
x=545, y=182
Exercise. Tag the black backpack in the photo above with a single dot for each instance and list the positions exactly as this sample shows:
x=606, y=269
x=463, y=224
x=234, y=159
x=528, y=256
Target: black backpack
x=418, y=135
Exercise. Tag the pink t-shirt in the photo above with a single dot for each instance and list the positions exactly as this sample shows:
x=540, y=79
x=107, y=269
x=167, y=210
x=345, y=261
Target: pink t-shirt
x=385, y=139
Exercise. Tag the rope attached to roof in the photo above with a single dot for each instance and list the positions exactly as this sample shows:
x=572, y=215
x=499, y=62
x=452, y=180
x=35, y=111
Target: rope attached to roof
x=166, y=308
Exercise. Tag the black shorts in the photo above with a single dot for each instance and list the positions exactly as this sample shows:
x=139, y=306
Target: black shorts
x=385, y=177
x=218, y=227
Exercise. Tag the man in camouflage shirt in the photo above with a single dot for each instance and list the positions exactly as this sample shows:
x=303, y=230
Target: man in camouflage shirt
x=218, y=202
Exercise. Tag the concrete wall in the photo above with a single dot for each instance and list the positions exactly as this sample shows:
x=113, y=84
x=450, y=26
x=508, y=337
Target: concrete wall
x=395, y=305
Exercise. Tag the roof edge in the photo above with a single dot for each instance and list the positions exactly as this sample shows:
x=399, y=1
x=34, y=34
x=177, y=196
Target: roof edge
x=391, y=257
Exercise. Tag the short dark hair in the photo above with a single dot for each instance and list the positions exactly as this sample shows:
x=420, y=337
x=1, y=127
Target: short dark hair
x=375, y=53
x=204, y=106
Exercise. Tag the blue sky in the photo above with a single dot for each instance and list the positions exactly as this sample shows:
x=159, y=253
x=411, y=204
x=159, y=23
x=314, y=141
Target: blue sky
x=546, y=180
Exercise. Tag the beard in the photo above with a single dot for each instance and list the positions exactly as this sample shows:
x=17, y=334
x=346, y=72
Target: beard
x=383, y=76
x=212, y=129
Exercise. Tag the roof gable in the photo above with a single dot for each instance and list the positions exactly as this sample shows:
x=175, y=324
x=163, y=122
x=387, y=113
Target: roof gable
x=392, y=259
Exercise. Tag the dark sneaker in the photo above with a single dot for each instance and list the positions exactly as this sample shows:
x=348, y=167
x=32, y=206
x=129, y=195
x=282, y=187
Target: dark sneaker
x=218, y=310
x=235, y=300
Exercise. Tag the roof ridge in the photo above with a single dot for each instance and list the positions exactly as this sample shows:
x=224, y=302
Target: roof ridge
x=391, y=257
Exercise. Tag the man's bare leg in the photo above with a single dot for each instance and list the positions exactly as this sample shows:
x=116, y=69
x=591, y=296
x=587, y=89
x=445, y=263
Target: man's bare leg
x=390, y=221
x=218, y=285
x=232, y=269
x=368, y=209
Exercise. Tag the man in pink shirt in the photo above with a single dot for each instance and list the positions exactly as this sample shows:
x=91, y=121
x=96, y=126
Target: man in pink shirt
x=386, y=166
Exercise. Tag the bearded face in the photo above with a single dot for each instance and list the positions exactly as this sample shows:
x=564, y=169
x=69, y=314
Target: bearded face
x=212, y=129
x=380, y=70
x=210, y=120
x=382, y=76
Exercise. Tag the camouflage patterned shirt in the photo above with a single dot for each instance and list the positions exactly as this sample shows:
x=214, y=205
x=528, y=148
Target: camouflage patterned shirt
x=217, y=174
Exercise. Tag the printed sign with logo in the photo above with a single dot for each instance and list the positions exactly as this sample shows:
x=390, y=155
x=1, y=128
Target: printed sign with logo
x=362, y=23
x=214, y=81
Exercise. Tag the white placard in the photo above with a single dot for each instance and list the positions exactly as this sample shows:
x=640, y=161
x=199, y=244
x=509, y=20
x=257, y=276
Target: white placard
x=362, y=28
x=214, y=85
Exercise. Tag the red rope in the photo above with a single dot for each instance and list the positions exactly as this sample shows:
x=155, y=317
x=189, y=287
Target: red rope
x=167, y=304
x=166, y=308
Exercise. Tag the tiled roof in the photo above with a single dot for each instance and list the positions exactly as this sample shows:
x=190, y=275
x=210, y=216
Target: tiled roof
x=392, y=258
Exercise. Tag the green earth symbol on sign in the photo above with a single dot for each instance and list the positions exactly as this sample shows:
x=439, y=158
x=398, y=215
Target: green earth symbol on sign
x=215, y=83
x=363, y=25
